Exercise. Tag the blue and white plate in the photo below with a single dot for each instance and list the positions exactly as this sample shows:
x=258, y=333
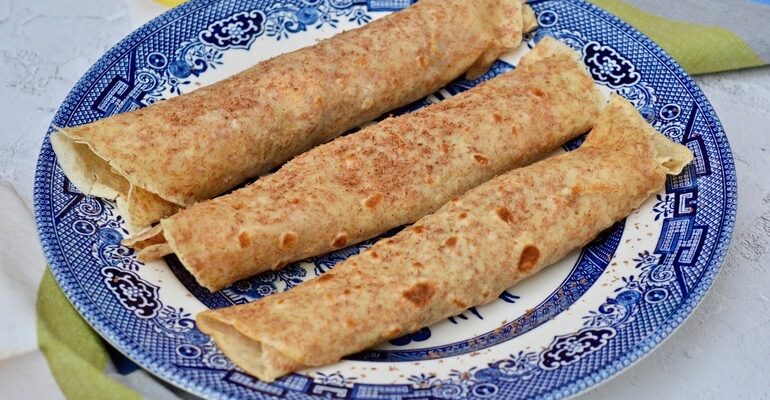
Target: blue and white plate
x=571, y=327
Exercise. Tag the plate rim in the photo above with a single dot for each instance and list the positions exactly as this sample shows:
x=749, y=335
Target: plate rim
x=92, y=314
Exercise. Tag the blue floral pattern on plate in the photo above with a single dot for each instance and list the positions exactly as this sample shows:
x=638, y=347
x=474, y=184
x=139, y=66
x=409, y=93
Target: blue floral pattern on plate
x=148, y=312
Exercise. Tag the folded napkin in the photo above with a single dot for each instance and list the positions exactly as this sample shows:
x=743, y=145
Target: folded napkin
x=704, y=36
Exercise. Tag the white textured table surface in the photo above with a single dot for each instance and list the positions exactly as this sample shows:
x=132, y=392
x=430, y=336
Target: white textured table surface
x=722, y=351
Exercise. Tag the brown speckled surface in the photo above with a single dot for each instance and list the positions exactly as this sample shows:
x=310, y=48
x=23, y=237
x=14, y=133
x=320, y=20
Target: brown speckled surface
x=199, y=145
x=463, y=255
x=389, y=174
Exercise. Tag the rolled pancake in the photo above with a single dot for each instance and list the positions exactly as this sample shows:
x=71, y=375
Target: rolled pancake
x=385, y=176
x=193, y=147
x=464, y=255
x=530, y=19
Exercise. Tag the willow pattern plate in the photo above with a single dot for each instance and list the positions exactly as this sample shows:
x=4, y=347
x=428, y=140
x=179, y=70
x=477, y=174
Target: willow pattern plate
x=572, y=326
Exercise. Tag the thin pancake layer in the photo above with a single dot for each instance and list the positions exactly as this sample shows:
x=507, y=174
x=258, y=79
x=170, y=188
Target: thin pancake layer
x=196, y=146
x=387, y=175
x=464, y=255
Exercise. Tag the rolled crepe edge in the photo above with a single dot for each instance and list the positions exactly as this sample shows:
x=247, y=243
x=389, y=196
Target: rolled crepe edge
x=509, y=29
x=146, y=207
x=150, y=244
x=93, y=175
x=528, y=24
x=672, y=157
x=157, y=242
x=170, y=239
x=549, y=47
x=529, y=18
x=253, y=355
x=72, y=156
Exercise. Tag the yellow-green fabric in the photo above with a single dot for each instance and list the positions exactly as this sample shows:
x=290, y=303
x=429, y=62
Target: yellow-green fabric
x=171, y=3
x=699, y=49
x=76, y=355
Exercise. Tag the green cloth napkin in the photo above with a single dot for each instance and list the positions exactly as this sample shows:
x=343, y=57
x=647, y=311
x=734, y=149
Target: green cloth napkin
x=76, y=355
x=703, y=36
